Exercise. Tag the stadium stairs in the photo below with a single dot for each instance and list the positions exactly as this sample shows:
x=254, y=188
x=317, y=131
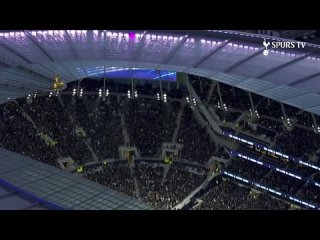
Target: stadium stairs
x=197, y=115
x=213, y=85
x=166, y=168
x=213, y=114
x=26, y=116
x=45, y=138
x=135, y=181
x=203, y=185
x=178, y=122
x=215, y=126
x=124, y=130
x=86, y=142
x=216, y=138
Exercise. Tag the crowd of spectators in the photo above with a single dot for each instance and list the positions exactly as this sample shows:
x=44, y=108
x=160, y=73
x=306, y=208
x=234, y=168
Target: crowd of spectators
x=150, y=123
x=197, y=144
x=101, y=122
x=225, y=196
x=230, y=196
x=262, y=202
x=156, y=189
x=18, y=135
x=298, y=142
x=53, y=120
x=165, y=192
x=116, y=176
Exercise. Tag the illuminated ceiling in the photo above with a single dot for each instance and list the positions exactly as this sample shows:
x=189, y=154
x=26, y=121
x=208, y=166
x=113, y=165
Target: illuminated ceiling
x=30, y=59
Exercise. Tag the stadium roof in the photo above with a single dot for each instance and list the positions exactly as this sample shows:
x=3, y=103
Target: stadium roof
x=55, y=187
x=30, y=59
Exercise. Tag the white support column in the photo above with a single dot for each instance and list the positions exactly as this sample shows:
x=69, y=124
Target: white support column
x=219, y=92
x=315, y=124
x=283, y=111
x=251, y=101
x=161, y=93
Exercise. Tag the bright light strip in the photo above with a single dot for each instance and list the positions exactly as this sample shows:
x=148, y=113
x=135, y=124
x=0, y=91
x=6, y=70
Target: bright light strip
x=268, y=189
x=240, y=139
x=309, y=165
x=302, y=202
x=250, y=159
x=261, y=163
x=288, y=173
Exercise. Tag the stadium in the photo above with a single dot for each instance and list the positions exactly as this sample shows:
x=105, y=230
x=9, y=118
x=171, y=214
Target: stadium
x=160, y=120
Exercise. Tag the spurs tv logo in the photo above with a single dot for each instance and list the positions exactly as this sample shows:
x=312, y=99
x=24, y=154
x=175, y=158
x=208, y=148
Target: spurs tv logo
x=266, y=45
x=281, y=45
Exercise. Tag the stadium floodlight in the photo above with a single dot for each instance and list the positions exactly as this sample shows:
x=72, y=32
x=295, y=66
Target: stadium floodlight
x=165, y=97
x=194, y=102
x=225, y=107
x=316, y=129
